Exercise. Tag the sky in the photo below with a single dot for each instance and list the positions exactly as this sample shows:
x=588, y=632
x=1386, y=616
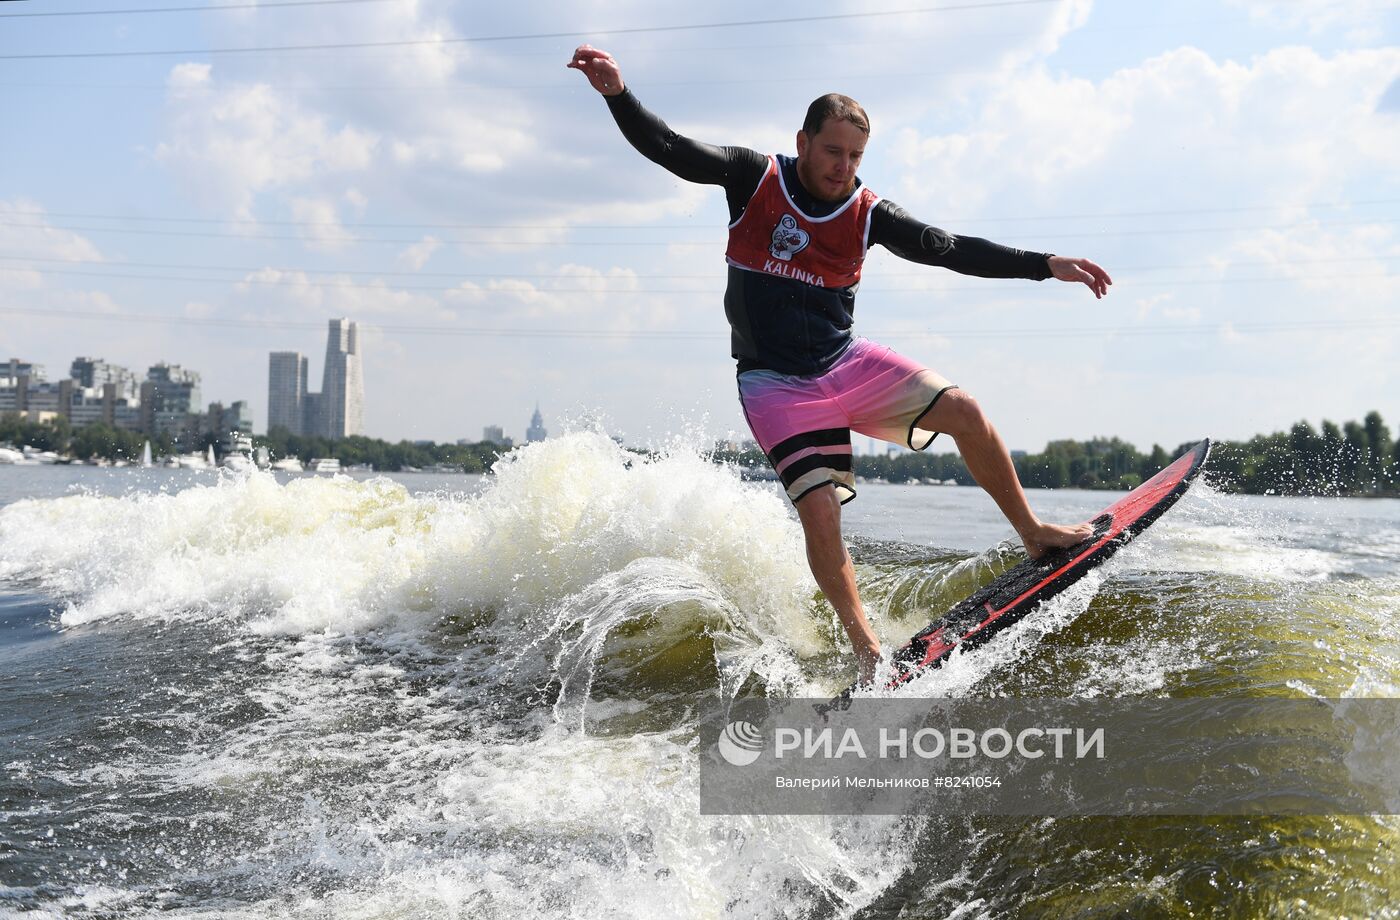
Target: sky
x=198, y=186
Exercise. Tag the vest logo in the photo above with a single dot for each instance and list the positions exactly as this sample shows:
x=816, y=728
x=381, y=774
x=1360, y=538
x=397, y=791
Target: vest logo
x=788, y=239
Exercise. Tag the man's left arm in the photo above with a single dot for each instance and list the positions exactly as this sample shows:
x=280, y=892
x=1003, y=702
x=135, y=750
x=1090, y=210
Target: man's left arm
x=898, y=231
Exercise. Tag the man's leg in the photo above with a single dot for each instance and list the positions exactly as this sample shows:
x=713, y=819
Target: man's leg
x=820, y=513
x=959, y=416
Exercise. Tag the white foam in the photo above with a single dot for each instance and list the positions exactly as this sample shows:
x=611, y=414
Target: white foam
x=335, y=554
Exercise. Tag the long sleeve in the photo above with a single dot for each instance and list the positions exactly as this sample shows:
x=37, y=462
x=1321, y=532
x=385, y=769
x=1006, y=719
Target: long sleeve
x=737, y=169
x=894, y=228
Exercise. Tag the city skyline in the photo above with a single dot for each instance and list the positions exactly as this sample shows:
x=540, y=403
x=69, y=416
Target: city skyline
x=96, y=390
x=337, y=411
x=473, y=205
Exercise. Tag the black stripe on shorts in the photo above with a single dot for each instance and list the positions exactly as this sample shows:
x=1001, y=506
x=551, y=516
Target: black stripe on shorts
x=813, y=462
x=826, y=437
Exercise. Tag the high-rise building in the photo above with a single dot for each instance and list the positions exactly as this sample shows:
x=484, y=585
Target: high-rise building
x=14, y=368
x=335, y=412
x=286, y=392
x=169, y=397
x=343, y=385
x=94, y=374
x=536, y=430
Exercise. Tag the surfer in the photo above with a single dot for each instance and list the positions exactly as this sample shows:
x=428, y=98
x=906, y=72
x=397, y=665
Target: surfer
x=798, y=233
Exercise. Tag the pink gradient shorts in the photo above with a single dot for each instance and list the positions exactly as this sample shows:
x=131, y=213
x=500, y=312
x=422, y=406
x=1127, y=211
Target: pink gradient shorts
x=804, y=424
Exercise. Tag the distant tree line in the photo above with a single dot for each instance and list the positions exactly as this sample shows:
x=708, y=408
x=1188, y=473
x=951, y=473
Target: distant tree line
x=382, y=455
x=1356, y=458
x=89, y=441
x=99, y=440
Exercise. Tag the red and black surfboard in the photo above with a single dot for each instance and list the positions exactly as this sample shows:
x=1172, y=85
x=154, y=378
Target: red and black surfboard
x=1021, y=589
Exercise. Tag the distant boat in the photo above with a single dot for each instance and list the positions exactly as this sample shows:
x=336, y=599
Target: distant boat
x=238, y=463
x=210, y=459
x=239, y=458
x=146, y=463
x=10, y=456
x=35, y=455
x=325, y=465
x=288, y=465
x=192, y=462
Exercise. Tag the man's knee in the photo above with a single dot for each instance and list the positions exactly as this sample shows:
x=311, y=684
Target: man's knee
x=956, y=413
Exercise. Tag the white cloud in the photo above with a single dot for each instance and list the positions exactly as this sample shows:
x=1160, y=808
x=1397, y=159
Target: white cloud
x=1362, y=20
x=35, y=248
x=416, y=256
x=1290, y=126
x=228, y=143
x=319, y=224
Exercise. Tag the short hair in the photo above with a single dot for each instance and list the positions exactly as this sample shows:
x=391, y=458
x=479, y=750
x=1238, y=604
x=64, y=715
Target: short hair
x=834, y=105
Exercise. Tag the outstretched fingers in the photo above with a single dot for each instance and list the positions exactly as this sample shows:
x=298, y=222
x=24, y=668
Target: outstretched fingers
x=1083, y=270
x=1098, y=279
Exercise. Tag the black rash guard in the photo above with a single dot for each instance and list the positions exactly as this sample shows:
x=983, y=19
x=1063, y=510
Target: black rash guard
x=779, y=323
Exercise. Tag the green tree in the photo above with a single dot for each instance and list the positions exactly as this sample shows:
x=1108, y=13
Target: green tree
x=1380, y=446
x=1356, y=458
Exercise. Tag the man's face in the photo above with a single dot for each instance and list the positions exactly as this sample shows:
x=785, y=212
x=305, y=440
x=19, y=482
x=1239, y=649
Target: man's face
x=827, y=161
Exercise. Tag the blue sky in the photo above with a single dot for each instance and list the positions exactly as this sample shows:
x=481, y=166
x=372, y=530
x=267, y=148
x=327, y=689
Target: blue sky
x=471, y=203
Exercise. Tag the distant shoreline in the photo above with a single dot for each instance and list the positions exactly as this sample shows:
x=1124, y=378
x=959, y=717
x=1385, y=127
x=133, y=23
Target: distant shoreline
x=1354, y=460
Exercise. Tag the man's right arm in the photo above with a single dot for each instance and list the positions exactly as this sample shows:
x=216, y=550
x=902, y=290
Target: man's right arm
x=737, y=169
x=692, y=160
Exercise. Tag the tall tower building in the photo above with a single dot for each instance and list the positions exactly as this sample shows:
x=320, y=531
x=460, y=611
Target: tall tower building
x=536, y=430
x=343, y=385
x=286, y=391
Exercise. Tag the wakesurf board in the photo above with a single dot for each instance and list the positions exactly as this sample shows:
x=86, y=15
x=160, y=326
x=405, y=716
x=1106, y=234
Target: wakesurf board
x=1026, y=586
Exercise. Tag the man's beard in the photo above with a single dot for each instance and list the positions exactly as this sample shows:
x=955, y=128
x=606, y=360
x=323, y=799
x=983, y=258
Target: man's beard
x=816, y=186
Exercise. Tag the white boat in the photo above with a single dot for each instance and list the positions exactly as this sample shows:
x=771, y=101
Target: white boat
x=10, y=456
x=288, y=465
x=239, y=458
x=238, y=463
x=325, y=465
x=39, y=456
x=192, y=462
x=146, y=463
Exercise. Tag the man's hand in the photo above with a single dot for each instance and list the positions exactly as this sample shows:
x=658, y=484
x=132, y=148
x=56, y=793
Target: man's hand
x=1067, y=269
x=600, y=69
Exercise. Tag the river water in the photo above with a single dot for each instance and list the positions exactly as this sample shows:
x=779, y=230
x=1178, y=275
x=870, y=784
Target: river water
x=414, y=696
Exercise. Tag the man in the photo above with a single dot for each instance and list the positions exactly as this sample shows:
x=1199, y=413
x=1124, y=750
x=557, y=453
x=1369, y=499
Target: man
x=799, y=229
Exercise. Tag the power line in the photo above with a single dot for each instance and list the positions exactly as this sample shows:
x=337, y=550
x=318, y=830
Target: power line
x=342, y=46
x=613, y=292
x=534, y=276
x=265, y=5
x=692, y=334
x=719, y=242
x=1100, y=215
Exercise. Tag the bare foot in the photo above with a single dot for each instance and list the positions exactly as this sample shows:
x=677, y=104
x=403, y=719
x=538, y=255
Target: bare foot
x=1046, y=537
